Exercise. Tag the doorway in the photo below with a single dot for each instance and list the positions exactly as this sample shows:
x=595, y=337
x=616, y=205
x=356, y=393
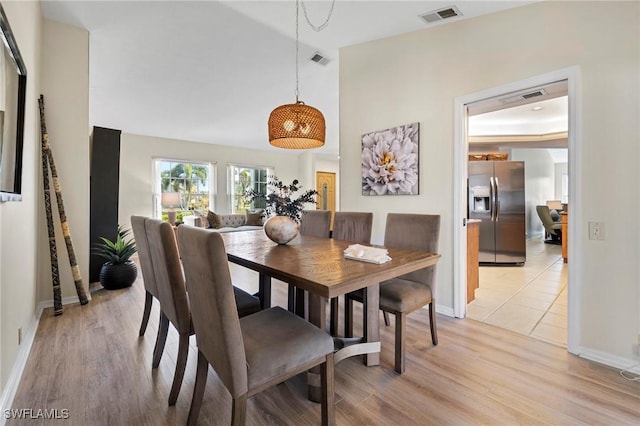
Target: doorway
x=461, y=148
x=326, y=187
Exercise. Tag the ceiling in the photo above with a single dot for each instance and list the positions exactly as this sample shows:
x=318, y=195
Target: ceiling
x=212, y=71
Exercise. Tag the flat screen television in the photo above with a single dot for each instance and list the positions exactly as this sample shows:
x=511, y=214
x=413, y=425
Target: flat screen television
x=13, y=87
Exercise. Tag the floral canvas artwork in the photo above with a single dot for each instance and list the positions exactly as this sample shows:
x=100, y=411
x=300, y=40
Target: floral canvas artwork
x=390, y=161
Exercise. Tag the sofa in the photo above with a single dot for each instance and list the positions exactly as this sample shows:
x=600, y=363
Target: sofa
x=226, y=222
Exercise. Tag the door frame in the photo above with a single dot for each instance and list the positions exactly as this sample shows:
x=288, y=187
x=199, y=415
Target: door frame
x=461, y=152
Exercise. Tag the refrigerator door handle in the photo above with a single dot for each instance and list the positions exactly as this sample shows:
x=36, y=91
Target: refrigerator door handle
x=497, y=199
x=492, y=199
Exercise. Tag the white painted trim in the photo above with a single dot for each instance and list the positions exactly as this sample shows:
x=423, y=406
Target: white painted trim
x=620, y=363
x=10, y=389
x=573, y=76
x=444, y=310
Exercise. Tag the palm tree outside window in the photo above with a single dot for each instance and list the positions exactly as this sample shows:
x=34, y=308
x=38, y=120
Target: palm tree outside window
x=192, y=180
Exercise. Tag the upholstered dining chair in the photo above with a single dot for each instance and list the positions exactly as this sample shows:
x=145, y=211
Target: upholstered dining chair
x=354, y=227
x=148, y=276
x=172, y=294
x=252, y=353
x=316, y=223
x=405, y=294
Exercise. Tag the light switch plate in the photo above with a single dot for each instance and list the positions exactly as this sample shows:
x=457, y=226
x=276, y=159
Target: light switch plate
x=596, y=231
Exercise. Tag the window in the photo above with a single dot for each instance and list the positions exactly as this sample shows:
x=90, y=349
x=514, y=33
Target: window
x=192, y=180
x=565, y=188
x=241, y=179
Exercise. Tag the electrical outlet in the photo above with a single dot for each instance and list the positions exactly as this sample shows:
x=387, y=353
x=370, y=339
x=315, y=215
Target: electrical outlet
x=19, y=336
x=596, y=231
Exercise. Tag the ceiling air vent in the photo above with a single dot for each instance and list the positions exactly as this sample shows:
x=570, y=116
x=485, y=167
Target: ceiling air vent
x=440, y=14
x=319, y=58
x=533, y=94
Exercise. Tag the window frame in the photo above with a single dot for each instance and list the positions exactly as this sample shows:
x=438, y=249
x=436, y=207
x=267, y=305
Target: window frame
x=231, y=187
x=157, y=182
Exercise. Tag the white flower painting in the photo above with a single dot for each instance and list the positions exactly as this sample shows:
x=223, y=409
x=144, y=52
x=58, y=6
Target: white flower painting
x=390, y=161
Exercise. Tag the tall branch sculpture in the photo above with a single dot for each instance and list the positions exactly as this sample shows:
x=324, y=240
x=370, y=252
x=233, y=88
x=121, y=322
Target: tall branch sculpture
x=49, y=164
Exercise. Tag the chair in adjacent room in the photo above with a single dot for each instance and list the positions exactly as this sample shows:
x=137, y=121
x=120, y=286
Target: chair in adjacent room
x=172, y=294
x=405, y=294
x=315, y=223
x=552, y=228
x=353, y=227
x=249, y=354
x=148, y=277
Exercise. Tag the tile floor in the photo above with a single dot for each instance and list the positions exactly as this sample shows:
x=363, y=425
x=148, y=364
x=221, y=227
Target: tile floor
x=529, y=299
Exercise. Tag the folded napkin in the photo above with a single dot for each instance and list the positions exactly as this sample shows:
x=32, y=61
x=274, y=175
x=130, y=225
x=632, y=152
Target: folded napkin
x=367, y=254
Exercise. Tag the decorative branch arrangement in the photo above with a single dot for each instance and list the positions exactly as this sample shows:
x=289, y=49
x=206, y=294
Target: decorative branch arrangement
x=280, y=202
x=48, y=164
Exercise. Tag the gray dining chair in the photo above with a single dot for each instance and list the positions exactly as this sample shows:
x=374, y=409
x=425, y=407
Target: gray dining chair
x=354, y=227
x=249, y=354
x=172, y=294
x=315, y=223
x=148, y=276
x=405, y=294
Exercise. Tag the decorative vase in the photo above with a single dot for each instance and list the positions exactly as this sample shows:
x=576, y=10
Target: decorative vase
x=281, y=229
x=116, y=276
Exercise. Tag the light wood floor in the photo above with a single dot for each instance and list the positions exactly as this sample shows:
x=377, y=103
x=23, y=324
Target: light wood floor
x=91, y=362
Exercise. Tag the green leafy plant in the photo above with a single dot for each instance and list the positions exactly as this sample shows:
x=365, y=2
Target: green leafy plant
x=118, y=251
x=280, y=201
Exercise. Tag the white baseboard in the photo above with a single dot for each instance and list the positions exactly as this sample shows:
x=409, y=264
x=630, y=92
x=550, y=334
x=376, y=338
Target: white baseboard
x=10, y=389
x=626, y=364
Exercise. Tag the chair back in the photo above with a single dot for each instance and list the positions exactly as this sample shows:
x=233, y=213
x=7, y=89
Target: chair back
x=352, y=226
x=144, y=254
x=213, y=307
x=315, y=223
x=547, y=221
x=172, y=293
x=414, y=232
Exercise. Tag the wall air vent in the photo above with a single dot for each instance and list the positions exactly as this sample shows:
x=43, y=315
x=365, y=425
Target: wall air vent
x=523, y=96
x=319, y=58
x=440, y=14
x=533, y=94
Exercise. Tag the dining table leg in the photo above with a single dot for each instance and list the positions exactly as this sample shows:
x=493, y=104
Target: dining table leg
x=317, y=317
x=264, y=291
x=371, y=325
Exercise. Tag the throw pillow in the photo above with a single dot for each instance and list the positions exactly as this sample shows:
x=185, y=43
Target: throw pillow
x=204, y=222
x=215, y=221
x=555, y=216
x=254, y=218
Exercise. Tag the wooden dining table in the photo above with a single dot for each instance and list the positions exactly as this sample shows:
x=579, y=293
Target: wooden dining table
x=318, y=266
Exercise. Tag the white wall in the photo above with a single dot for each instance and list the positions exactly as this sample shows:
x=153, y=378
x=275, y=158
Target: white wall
x=560, y=169
x=136, y=164
x=65, y=86
x=539, y=175
x=417, y=77
x=19, y=220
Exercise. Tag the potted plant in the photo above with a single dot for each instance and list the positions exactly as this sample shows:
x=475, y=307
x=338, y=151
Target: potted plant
x=285, y=211
x=119, y=271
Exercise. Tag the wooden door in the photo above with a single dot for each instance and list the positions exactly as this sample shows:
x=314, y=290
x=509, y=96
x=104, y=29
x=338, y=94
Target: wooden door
x=326, y=187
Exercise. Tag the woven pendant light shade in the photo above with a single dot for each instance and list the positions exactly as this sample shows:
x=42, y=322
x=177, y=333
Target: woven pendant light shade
x=296, y=126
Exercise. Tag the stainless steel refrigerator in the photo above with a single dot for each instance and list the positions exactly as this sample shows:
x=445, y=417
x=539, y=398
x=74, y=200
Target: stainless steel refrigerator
x=497, y=198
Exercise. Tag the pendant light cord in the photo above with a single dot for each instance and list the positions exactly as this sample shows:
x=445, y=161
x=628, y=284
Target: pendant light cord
x=316, y=28
x=297, y=49
x=324, y=24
